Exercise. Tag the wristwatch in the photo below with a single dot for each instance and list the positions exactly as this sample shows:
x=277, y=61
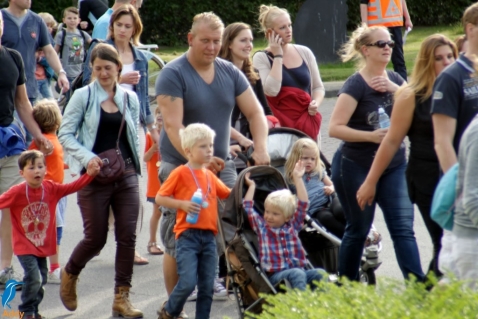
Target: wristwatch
x=153, y=127
x=61, y=71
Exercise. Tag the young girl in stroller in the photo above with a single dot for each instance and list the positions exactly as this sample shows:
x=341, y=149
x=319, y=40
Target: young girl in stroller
x=324, y=205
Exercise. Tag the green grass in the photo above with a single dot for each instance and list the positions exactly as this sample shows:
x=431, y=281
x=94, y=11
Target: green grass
x=340, y=71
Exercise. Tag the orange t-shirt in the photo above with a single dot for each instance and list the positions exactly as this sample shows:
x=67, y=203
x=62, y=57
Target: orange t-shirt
x=153, y=179
x=55, y=169
x=181, y=185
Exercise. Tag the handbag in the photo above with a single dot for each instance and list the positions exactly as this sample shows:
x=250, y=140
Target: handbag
x=113, y=163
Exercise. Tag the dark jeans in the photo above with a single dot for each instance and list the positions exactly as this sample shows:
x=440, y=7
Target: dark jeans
x=398, y=59
x=35, y=277
x=332, y=217
x=392, y=197
x=95, y=200
x=196, y=258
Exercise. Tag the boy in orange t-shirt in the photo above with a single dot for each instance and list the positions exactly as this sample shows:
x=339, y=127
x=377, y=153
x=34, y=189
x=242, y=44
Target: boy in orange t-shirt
x=152, y=159
x=196, y=254
x=48, y=117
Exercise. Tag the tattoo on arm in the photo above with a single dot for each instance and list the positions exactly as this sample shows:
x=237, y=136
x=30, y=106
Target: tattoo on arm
x=172, y=98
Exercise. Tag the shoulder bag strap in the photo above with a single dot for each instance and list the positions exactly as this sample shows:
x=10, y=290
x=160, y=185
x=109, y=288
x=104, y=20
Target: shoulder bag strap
x=122, y=119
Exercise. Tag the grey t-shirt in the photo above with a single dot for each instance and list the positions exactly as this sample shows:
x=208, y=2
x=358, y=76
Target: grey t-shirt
x=73, y=51
x=210, y=104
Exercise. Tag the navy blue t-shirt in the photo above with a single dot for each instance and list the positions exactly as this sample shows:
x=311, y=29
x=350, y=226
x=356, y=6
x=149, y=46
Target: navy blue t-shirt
x=32, y=34
x=365, y=118
x=455, y=94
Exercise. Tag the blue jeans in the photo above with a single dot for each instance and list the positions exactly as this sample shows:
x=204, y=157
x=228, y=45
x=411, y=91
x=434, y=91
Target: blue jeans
x=196, y=258
x=297, y=277
x=36, y=271
x=45, y=89
x=392, y=197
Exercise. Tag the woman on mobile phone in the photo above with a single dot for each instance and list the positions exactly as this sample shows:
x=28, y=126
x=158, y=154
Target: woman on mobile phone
x=289, y=74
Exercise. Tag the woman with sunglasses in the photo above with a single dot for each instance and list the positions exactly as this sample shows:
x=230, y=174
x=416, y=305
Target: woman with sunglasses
x=412, y=117
x=355, y=120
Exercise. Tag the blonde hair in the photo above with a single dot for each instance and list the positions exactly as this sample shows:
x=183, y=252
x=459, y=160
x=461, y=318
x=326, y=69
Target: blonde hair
x=127, y=9
x=296, y=154
x=423, y=75
x=282, y=200
x=47, y=115
x=352, y=49
x=208, y=18
x=49, y=19
x=470, y=16
x=267, y=15
x=195, y=132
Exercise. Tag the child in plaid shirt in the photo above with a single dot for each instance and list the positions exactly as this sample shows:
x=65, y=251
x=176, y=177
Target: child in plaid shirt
x=280, y=250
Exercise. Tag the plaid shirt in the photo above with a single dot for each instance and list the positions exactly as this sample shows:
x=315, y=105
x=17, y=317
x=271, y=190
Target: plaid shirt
x=280, y=248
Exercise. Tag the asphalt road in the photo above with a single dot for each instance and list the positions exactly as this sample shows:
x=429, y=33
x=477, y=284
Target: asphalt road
x=95, y=287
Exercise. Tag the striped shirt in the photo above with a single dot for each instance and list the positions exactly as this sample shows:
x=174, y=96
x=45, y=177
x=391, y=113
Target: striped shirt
x=279, y=248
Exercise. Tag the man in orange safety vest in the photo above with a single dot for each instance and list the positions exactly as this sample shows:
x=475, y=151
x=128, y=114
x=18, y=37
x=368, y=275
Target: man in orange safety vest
x=390, y=14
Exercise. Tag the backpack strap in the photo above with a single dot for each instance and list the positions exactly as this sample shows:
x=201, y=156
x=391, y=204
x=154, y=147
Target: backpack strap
x=62, y=44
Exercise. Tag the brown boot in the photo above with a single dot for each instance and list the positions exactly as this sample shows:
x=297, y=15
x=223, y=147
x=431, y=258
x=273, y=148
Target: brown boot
x=122, y=307
x=68, y=290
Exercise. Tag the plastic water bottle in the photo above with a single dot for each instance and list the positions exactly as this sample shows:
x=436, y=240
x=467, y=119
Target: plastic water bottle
x=197, y=198
x=383, y=119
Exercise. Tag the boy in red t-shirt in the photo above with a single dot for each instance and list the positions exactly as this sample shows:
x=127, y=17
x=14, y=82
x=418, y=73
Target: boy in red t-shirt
x=48, y=117
x=153, y=160
x=196, y=254
x=32, y=204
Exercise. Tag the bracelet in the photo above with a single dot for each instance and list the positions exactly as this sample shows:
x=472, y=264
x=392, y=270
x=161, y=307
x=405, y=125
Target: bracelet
x=278, y=56
x=62, y=71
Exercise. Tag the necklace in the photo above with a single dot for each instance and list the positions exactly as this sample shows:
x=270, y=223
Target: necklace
x=35, y=213
x=205, y=195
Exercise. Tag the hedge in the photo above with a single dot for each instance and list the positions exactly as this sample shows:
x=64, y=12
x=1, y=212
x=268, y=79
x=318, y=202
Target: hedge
x=167, y=22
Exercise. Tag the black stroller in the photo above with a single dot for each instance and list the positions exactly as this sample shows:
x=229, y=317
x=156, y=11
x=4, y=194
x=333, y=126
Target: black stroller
x=244, y=270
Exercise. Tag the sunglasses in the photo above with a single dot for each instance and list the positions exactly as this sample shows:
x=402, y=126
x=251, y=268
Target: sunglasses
x=381, y=44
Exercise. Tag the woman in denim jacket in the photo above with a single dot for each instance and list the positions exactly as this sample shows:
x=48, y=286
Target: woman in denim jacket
x=90, y=126
x=124, y=31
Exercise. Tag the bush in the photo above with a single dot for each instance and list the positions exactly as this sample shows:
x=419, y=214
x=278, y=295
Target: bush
x=168, y=22
x=391, y=299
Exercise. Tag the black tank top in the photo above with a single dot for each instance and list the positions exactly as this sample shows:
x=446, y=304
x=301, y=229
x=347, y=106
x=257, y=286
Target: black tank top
x=420, y=133
x=107, y=134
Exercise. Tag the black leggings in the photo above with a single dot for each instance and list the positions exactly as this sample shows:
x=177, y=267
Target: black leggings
x=332, y=217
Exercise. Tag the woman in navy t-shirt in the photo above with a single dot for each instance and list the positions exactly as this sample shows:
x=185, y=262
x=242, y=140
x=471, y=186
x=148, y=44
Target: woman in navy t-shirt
x=355, y=120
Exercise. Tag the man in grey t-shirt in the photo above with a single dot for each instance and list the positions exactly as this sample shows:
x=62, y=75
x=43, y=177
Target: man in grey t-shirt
x=199, y=87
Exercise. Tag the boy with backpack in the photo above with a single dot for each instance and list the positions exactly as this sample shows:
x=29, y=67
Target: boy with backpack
x=71, y=44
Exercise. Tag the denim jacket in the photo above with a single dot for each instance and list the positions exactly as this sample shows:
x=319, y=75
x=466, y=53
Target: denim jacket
x=141, y=89
x=80, y=124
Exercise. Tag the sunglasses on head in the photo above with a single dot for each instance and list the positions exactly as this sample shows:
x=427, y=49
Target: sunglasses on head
x=381, y=44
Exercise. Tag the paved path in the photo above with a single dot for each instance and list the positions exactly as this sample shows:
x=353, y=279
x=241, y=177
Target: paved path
x=95, y=288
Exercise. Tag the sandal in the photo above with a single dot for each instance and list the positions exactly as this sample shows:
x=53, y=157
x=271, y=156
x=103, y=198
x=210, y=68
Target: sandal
x=154, y=249
x=139, y=260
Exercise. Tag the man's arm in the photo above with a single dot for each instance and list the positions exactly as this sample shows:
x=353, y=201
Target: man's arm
x=172, y=109
x=252, y=110
x=25, y=111
x=444, y=128
x=406, y=15
x=54, y=62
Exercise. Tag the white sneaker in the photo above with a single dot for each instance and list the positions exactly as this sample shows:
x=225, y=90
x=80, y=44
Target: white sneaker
x=220, y=292
x=194, y=295
x=54, y=276
x=9, y=274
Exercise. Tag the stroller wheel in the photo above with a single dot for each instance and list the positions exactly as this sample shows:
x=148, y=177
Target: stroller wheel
x=367, y=277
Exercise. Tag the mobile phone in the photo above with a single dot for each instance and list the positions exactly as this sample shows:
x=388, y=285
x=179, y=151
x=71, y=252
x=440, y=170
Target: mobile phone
x=269, y=32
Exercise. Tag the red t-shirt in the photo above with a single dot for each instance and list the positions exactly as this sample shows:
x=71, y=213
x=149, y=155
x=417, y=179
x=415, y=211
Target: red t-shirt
x=153, y=179
x=181, y=185
x=55, y=168
x=33, y=219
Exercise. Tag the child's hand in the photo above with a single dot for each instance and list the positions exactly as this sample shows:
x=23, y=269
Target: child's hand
x=94, y=166
x=249, y=181
x=154, y=147
x=299, y=169
x=189, y=207
x=329, y=190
